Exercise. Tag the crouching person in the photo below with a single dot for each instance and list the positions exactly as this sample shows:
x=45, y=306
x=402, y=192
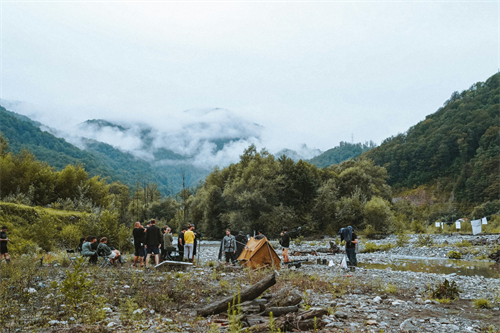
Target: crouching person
x=113, y=255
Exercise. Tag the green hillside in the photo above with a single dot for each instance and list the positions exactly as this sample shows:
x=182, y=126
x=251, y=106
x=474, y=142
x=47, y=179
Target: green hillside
x=343, y=152
x=100, y=158
x=456, y=149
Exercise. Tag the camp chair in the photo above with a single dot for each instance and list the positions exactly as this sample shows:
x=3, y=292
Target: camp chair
x=71, y=255
x=173, y=254
x=105, y=261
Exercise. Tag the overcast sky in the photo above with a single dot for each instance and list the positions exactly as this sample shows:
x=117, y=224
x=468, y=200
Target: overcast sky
x=310, y=72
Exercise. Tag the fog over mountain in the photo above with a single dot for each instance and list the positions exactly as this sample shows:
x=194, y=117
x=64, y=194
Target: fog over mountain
x=203, y=138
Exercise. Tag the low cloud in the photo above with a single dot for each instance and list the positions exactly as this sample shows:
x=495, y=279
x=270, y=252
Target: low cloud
x=200, y=137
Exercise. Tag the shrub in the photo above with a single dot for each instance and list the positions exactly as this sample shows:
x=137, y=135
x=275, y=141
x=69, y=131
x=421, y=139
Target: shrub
x=299, y=240
x=463, y=243
x=372, y=247
x=446, y=290
x=418, y=227
x=425, y=240
x=77, y=284
x=403, y=239
x=369, y=231
x=482, y=303
x=454, y=255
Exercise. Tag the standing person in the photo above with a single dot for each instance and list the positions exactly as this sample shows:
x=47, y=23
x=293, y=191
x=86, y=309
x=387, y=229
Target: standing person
x=351, y=239
x=229, y=246
x=189, y=244
x=285, y=243
x=138, y=234
x=180, y=241
x=241, y=241
x=3, y=245
x=195, y=243
x=260, y=235
x=168, y=239
x=153, y=242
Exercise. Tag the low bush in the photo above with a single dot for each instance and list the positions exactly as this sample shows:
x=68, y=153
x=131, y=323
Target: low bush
x=424, y=240
x=454, y=255
x=403, y=240
x=418, y=227
x=482, y=303
x=463, y=243
x=372, y=247
x=446, y=290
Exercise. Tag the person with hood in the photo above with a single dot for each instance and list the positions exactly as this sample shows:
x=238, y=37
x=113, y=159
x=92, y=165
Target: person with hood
x=241, y=241
x=351, y=239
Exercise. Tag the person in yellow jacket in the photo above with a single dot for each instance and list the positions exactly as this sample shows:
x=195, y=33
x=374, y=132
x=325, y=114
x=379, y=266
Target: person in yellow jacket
x=189, y=244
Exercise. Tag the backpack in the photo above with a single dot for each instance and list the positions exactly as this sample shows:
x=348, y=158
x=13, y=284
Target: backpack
x=346, y=233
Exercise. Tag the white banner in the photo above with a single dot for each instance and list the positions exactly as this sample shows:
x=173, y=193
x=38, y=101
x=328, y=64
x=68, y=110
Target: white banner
x=457, y=224
x=476, y=227
x=442, y=225
x=484, y=220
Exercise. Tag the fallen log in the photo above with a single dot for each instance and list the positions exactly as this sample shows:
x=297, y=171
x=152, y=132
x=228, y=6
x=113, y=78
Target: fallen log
x=283, y=299
x=278, y=311
x=279, y=324
x=312, y=313
x=248, y=294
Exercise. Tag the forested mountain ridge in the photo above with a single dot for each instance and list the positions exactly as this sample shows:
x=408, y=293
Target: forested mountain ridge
x=343, y=152
x=99, y=160
x=456, y=148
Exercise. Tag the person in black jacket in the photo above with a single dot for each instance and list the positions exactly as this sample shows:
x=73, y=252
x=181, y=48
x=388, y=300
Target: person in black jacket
x=138, y=234
x=180, y=242
x=241, y=241
x=153, y=242
x=285, y=244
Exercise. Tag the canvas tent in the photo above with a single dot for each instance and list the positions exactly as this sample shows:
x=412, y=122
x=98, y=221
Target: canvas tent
x=259, y=253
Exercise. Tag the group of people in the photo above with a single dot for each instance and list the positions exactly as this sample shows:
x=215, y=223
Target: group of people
x=90, y=248
x=151, y=240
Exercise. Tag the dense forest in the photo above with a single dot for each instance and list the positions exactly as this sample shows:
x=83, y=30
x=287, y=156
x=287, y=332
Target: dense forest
x=343, y=152
x=454, y=151
x=261, y=192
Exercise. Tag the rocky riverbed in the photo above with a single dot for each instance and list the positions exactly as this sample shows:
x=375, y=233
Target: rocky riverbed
x=395, y=297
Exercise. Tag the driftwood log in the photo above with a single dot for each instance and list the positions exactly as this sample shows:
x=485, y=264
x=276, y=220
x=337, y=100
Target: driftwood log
x=312, y=313
x=278, y=311
x=284, y=299
x=248, y=294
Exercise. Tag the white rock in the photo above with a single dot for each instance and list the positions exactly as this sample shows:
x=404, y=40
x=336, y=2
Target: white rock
x=108, y=310
x=377, y=299
x=53, y=322
x=111, y=324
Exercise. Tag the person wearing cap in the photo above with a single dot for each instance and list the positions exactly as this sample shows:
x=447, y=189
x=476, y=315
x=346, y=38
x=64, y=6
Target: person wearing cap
x=3, y=245
x=189, y=244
